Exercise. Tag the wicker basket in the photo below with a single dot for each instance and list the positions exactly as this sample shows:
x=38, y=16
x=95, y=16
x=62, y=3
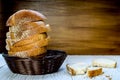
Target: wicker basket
x=50, y=63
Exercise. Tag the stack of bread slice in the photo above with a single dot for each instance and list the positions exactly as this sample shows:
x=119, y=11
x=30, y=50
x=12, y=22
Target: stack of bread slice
x=27, y=35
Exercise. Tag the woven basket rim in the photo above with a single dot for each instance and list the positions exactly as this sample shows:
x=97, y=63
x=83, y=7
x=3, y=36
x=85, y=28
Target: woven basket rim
x=59, y=54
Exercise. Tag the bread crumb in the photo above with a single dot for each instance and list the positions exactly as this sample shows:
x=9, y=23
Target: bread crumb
x=107, y=76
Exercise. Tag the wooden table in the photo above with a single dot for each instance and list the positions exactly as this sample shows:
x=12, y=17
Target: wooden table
x=62, y=74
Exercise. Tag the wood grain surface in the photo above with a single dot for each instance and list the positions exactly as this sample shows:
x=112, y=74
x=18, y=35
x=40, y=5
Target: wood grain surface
x=78, y=26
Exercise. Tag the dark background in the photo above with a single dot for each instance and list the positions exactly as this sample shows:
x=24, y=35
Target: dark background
x=78, y=26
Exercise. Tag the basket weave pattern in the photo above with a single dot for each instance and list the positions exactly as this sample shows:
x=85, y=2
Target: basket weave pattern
x=50, y=63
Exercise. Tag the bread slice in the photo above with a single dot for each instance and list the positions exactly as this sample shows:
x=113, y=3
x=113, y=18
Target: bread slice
x=94, y=71
x=28, y=40
x=29, y=53
x=23, y=16
x=77, y=68
x=21, y=34
x=103, y=62
x=37, y=44
x=28, y=26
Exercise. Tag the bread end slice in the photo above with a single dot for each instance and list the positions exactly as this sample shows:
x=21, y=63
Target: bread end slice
x=94, y=71
x=24, y=16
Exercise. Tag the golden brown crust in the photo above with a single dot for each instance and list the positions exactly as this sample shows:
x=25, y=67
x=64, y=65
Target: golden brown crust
x=29, y=53
x=37, y=44
x=24, y=15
